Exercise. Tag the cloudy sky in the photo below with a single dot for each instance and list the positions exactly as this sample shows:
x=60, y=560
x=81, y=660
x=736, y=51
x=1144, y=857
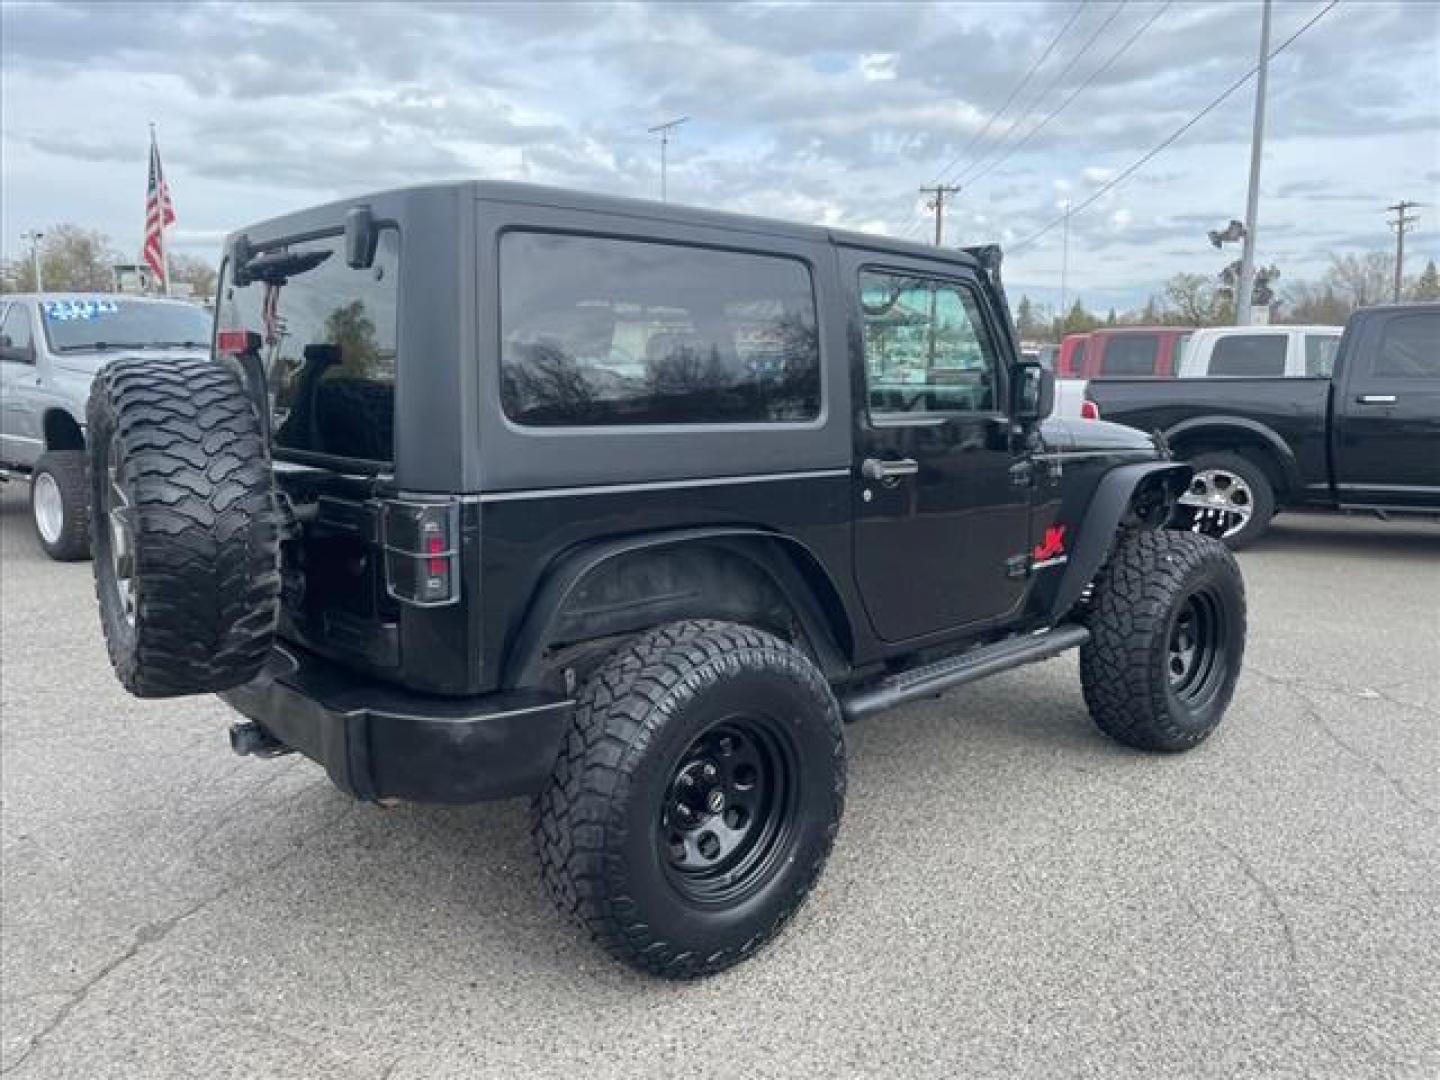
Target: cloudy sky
x=833, y=114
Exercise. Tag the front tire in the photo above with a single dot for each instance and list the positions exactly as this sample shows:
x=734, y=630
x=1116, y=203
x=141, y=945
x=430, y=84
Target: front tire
x=1167, y=626
x=60, y=505
x=696, y=798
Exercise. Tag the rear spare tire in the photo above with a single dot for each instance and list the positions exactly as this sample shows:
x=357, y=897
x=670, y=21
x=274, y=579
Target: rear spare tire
x=60, y=505
x=185, y=526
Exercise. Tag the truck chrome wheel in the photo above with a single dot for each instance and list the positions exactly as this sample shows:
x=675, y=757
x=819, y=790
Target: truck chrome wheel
x=1197, y=654
x=1221, y=503
x=49, y=508
x=120, y=529
x=727, y=810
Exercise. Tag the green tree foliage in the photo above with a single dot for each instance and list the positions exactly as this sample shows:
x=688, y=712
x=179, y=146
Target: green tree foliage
x=1027, y=323
x=349, y=327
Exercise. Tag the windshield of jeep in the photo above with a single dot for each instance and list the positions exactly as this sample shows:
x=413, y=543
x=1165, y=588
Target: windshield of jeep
x=100, y=324
x=325, y=337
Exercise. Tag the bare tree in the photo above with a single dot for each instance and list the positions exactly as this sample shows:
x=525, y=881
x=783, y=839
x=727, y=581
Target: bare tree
x=1361, y=280
x=1193, y=300
x=198, y=273
x=72, y=259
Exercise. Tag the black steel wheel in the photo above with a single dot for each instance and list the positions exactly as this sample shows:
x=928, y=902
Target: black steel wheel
x=1167, y=626
x=728, y=809
x=696, y=797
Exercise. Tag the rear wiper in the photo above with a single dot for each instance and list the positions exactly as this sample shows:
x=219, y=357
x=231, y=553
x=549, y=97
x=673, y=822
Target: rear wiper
x=177, y=344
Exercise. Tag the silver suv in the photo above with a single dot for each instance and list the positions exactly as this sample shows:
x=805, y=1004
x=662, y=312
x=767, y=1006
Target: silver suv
x=51, y=346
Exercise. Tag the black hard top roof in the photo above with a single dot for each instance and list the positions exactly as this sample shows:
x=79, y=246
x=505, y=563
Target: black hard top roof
x=331, y=214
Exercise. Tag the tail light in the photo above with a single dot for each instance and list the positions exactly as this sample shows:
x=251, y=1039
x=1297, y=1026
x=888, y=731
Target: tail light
x=1089, y=410
x=422, y=558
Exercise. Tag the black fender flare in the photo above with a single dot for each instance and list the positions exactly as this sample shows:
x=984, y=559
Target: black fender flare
x=1112, y=497
x=779, y=558
x=1222, y=424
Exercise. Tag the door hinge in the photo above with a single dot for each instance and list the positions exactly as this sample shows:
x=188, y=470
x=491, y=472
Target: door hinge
x=1022, y=474
x=1017, y=566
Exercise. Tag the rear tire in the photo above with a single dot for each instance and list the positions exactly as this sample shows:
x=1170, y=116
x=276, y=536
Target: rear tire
x=696, y=798
x=1230, y=498
x=185, y=526
x=60, y=505
x=1167, y=626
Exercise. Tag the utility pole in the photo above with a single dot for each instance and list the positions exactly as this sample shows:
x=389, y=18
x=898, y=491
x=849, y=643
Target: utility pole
x=1065, y=264
x=936, y=202
x=1402, y=222
x=35, y=238
x=1245, y=289
x=663, y=130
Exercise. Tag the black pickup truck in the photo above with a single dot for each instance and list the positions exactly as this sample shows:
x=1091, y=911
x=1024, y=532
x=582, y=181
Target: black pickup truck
x=1366, y=438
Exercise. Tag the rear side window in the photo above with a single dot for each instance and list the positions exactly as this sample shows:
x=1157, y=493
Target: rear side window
x=326, y=338
x=1249, y=354
x=598, y=331
x=1320, y=352
x=1410, y=347
x=1130, y=354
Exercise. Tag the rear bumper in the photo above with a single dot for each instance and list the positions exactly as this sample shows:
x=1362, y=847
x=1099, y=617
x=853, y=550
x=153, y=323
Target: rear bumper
x=378, y=741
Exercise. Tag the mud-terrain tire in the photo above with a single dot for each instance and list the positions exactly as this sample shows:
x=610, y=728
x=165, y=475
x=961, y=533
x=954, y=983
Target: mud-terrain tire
x=630, y=839
x=1167, y=637
x=60, y=505
x=1242, y=495
x=185, y=526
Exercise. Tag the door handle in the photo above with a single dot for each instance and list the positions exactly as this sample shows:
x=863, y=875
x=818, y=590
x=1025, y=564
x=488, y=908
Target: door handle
x=1376, y=399
x=888, y=472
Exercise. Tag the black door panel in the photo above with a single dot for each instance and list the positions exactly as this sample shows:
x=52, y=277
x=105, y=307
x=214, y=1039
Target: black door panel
x=941, y=511
x=1387, y=417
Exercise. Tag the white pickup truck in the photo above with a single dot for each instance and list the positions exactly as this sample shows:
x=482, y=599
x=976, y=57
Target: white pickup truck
x=51, y=346
x=1256, y=351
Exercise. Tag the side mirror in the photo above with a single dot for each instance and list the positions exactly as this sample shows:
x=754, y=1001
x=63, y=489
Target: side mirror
x=1034, y=392
x=361, y=238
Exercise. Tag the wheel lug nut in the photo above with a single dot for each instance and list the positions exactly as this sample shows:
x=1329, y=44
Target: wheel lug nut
x=709, y=771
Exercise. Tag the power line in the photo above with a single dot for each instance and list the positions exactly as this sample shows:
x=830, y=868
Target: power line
x=1181, y=130
x=1095, y=36
x=1024, y=81
x=1073, y=95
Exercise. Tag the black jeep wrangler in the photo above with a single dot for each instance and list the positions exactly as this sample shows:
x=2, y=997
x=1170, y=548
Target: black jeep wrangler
x=489, y=490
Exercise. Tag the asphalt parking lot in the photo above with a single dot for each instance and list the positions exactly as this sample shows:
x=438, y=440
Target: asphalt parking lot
x=1011, y=894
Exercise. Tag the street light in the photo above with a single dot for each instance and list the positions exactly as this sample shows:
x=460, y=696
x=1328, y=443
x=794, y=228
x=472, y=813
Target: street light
x=35, y=238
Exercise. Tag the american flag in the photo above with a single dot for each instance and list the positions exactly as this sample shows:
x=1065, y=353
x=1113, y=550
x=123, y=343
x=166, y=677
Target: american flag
x=158, y=214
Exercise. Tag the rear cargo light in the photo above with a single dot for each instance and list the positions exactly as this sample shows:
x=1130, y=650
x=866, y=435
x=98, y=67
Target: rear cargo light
x=422, y=560
x=1089, y=410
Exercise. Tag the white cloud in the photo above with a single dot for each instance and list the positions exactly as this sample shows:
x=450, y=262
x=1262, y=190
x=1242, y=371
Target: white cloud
x=878, y=67
x=1120, y=219
x=1095, y=175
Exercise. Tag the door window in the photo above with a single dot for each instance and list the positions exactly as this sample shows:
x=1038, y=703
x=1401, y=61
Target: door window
x=927, y=349
x=598, y=331
x=1320, y=352
x=1130, y=354
x=1249, y=354
x=16, y=343
x=1410, y=347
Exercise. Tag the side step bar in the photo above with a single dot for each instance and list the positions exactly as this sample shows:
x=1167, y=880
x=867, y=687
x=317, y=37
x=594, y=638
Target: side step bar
x=931, y=680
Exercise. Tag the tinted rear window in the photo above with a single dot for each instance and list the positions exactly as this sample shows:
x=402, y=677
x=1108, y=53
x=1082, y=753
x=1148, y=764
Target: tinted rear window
x=1249, y=354
x=327, y=342
x=1130, y=354
x=1410, y=348
x=602, y=331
